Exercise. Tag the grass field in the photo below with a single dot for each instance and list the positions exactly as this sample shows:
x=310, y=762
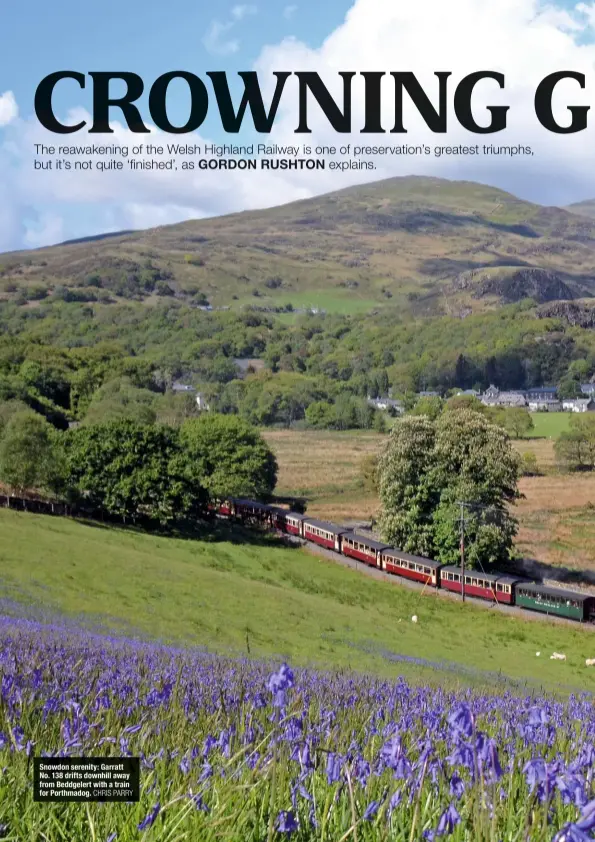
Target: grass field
x=287, y=602
x=549, y=425
x=556, y=514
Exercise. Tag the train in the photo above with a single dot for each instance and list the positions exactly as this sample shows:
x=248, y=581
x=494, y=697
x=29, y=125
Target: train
x=493, y=587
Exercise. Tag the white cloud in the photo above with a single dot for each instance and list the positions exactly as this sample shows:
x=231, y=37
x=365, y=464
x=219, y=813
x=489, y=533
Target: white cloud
x=242, y=11
x=289, y=12
x=216, y=40
x=9, y=109
x=517, y=37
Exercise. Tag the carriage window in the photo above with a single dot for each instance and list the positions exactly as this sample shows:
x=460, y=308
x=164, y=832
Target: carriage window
x=474, y=582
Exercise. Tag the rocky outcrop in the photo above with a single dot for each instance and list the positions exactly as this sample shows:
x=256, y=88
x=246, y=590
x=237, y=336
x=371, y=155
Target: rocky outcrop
x=575, y=313
x=539, y=284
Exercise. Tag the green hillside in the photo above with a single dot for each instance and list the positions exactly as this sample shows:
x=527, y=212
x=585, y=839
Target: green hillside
x=226, y=592
x=432, y=245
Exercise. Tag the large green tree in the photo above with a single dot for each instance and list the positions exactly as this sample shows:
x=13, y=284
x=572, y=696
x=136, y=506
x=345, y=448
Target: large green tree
x=30, y=454
x=132, y=470
x=229, y=456
x=429, y=467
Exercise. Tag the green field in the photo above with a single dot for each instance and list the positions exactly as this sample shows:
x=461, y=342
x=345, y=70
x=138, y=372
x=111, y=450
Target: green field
x=549, y=425
x=226, y=596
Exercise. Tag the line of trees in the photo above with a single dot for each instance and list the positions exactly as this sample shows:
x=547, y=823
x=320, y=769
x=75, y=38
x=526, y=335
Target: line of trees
x=135, y=470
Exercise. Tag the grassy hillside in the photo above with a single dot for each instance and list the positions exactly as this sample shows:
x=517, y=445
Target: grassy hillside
x=433, y=245
x=284, y=601
x=585, y=208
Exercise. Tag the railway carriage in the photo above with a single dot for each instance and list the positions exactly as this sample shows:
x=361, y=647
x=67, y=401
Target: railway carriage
x=411, y=566
x=326, y=534
x=251, y=510
x=362, y=548
x=294, y=523
x=286, y=521
x=556, y=601
x=492, y=586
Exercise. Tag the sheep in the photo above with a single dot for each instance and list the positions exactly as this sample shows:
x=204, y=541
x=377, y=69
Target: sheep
x=557, y=656
x=414, y=618
x=590, y=662
x=537, y=654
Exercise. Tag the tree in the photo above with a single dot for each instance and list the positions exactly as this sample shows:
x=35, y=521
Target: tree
x=407, y=493
x=29, y=458
x=132, y=470
x=429, y=466
x=431, y=407
x=229, y=456
x=575, y=448
x=517, y=421
x=119, y=399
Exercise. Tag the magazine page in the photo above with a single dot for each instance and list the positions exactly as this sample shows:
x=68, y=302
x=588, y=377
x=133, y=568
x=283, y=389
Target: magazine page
x=297, y=421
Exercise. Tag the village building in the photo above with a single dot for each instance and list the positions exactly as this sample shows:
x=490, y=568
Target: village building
x=545, y=405
x=579, y=405
x=385, y=404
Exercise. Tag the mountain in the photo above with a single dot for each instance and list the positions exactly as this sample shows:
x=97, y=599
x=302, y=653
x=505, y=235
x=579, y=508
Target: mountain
x=586, y=208
x=425, y=244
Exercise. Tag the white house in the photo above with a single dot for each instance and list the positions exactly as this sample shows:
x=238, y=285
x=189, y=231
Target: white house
x=544, y=405
x=386, y=403
x=579, y=405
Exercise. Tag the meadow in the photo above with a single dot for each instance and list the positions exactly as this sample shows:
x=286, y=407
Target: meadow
x=247, y=751
x=556, y=513
x=237, y=592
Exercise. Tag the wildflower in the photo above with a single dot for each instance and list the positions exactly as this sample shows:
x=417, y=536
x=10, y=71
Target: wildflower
x=537, y=716
x=334, y=763
x=448, y=820
x=371, y=810
x=150, y=817
x=457, y=786
x=461, y=720
x=286, y=822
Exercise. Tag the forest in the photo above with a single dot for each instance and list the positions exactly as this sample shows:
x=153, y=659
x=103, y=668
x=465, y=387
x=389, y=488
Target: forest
x=86, y=362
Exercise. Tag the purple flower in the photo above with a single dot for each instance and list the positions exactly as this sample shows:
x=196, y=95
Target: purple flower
x=150, y=817
x=457, y=786
x=286, y=822
x=461, y=720
x=371, y=810
x=448, y=820
x=334, y=763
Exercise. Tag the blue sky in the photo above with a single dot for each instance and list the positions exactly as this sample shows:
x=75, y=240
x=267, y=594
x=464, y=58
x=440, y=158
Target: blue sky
x=148, y=38
x=525, y=39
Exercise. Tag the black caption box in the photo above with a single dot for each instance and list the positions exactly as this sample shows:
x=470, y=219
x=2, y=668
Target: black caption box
x=86, y=779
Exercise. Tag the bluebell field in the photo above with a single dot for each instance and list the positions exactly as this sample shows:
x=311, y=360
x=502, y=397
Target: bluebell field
x=245, y=750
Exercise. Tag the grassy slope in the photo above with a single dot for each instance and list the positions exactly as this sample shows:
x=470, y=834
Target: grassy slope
x=427, y=237
x=293, y=603
x=549, y=424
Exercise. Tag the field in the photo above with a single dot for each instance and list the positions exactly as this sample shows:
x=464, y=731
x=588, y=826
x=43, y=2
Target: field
x=556, y=514
x=244, y=751
x=231, y=596
x=549, y=425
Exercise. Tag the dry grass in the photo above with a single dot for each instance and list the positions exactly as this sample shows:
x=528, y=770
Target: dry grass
x=557, y=513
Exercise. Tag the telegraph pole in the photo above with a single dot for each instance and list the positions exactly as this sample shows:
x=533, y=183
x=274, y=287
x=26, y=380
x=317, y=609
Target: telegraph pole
x=463, y=551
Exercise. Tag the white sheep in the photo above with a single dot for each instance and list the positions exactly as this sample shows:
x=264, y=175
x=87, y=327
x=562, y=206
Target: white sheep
x=414, y=618
x=557, y=656
x=537, y=654
x=590, y=662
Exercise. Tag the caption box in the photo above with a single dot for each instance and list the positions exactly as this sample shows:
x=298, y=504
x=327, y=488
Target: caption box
x=86, y=779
